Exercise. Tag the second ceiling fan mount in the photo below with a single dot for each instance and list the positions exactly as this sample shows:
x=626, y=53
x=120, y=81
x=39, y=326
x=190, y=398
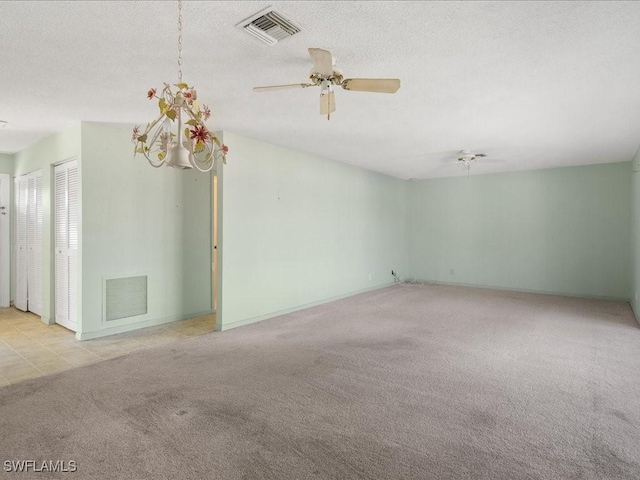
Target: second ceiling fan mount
x=326, y=76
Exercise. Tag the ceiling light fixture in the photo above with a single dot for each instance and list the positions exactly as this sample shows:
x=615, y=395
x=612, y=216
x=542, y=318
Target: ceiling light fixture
x=195, y=146
x=466, y=158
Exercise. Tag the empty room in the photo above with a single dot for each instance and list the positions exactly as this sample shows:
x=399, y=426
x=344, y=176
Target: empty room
x=320, y=240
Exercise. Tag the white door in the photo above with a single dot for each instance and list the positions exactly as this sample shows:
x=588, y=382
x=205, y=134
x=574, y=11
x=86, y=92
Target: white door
x=28, y=242
x=34, y=242
x=21, y=197
x=73, y=200
x=66, y=244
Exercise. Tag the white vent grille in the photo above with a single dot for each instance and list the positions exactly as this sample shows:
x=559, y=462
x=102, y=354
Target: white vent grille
x=125, y=297
x=269, y=26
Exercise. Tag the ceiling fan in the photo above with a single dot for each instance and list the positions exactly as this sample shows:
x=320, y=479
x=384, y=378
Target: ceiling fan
x=326, y=76
x=466, y=157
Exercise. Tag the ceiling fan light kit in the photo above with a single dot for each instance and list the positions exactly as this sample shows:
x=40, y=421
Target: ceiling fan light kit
x=466, y=158
x=196, y=145
x=326, y=76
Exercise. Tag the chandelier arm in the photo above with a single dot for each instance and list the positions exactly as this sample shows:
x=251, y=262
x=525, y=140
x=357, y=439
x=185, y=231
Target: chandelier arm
x=155, y=137
x=195, y=117
x=191, y=114
x=221, y=155
x=155, y=165
x=153, y=124
x=152, y=162
x=168, y=96
x=211, y=153
x=205, y=170
x=210, y=156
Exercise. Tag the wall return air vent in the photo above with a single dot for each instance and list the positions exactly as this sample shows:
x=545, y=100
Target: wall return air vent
x=125, y=297
x=269, y=26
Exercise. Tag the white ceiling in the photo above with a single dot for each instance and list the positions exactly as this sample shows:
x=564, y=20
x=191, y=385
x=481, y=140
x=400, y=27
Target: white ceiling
x=532, y=84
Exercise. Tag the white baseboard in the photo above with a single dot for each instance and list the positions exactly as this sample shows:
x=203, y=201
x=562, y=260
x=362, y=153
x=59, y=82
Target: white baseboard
x=138, y=325
x=636, y=311
x=524, y=290
x=247, y=321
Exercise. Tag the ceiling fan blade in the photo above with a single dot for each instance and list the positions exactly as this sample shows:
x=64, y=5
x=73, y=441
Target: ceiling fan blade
x=378, y=85
x=282, y=87
x=322, y=61
x=327, y=103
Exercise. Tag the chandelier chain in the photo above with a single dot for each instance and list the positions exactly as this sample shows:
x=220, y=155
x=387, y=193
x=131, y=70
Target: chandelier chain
x=180, y=41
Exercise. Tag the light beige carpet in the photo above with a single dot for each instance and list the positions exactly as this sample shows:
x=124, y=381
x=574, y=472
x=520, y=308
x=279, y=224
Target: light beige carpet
x=420, y=382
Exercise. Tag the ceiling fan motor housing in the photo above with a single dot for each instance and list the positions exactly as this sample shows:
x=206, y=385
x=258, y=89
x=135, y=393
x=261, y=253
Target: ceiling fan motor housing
x=335, y=78
x=467, y=158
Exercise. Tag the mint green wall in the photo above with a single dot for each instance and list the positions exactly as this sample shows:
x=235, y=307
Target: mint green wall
x=43, y=155
x=562, y=230
x=6, y=163
x=635, y=236
x=139, y=220
x=297, y=229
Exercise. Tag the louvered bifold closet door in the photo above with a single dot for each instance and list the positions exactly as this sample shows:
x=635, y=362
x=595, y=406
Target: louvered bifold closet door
x=72, y=236
x=61, y=243
x=66, y=210
x=21, y=194
x=34, y=240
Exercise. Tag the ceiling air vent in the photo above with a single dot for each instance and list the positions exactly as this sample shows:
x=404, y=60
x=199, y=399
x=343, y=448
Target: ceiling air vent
x=269, y=26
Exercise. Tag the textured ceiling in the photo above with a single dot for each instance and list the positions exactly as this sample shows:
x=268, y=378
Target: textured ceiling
x=532, y=84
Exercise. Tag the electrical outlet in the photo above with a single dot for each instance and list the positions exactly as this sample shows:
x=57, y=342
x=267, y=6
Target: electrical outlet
x=370, y=276
x=451, y=272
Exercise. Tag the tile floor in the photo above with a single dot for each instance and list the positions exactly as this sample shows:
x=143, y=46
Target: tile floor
x=29, y=348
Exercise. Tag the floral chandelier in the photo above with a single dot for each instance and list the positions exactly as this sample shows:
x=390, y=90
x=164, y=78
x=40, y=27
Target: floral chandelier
x=196, y=145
